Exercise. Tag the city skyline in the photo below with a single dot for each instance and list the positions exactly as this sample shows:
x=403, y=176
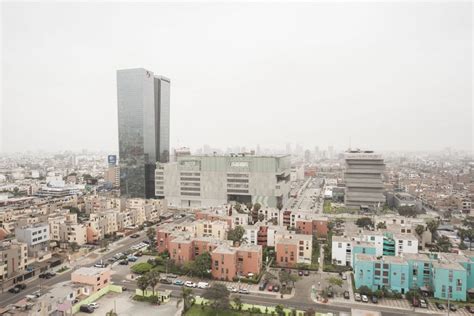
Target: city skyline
x=257, y=84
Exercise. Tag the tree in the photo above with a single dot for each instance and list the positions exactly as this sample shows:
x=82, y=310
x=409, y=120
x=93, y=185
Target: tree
x=365, y=222
x=365, y=290
x=443, y=244
x=153, y=278
x=256, y=208
x=335, y=281
x=74, y=246
x=279, y=206
x=381, y=225
x=201, y=264
x=236, y=234
x=286, y=277
x=261, y=217
x=142, y=283
x=279, y=310
x=432, y=226
x=151, y=234
x=238, y=207
x=186, y=296
x=408, y=211
x=218, y=294
x=420, y=229
x=268, y=276
x=238, y=303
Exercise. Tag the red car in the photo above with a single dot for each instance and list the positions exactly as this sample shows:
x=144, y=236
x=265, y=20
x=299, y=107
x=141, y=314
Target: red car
x=270, y=288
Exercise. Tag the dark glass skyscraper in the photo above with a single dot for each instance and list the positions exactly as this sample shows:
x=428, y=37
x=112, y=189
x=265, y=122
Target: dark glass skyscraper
x=144, y=124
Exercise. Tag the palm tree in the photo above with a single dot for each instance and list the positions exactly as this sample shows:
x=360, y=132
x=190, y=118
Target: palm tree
x=186, y=296
x=153, y=278
x=432, y=226
x=420, y=229
x=142, y=284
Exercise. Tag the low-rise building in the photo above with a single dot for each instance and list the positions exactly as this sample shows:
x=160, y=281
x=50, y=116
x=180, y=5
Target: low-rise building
x=97, y=278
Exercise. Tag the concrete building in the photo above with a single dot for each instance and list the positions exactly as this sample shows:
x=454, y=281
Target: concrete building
x=35, y=236
x=97, y=278
x=363, y=179
x=13, y=259
x=228, y=263
x=443, y=274
x=209, y=181
x=143, y=124
x=292, y=249
x=387, y=243
x=112, y=175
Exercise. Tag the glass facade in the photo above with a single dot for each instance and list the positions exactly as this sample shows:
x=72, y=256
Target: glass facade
x=143, y=130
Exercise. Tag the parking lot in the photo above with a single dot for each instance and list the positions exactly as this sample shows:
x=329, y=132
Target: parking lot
x=124, y=305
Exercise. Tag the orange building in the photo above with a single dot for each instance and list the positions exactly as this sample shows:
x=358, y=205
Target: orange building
x=286, y=252
x=181, y=250
x=230, y=262
x=318, y=227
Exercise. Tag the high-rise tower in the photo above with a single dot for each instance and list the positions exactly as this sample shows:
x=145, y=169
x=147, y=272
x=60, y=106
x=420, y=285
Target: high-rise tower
x=144, y=125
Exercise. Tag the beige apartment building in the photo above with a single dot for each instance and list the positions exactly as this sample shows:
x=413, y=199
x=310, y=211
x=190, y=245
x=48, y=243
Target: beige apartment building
x=205, y=228
x=14, y=258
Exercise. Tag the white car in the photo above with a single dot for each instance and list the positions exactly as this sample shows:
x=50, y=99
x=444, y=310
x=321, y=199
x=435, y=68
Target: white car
x=365, y=299
x=232, y=289
x=203, y=285
x=357, y=297
x=94, y=305
x=189, y=284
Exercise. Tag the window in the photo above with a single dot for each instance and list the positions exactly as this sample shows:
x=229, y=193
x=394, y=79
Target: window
x=339, y=245
x=450, y=276
x=409, y=243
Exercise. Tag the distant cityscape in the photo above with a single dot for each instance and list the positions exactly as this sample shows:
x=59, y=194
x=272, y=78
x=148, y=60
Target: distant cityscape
x=292, y=230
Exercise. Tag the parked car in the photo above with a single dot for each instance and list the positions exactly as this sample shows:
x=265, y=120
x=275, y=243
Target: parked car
x=178, y=282
x=306, y=272
x=203, y=285
x=270, y=288
x=453, y=307
x=37, y=293
x=470, y=309
x=423, y=303
x=346, y=295
x=262, y=286
x=365, y=299
x=189, y=284
x=440, y=306
x=134, y=236
x=374, y=299
x=86, y=309
x=123, y=262
x=416, y=303
x=21, y=286
x=357, y=297
x=300, y=273
x=94, y=305
x=276, y=288
x=344, y=276
x=232, y=289
x=132, y=258
x=244, y=291
x=100, y=265
x=146, y=242
x=165, y=281
x=14, y=290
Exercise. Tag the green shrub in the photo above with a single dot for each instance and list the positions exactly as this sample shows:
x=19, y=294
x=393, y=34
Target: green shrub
x=141, y=268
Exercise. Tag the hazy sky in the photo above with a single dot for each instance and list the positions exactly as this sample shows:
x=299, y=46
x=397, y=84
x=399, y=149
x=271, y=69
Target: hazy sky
x=392, y=76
